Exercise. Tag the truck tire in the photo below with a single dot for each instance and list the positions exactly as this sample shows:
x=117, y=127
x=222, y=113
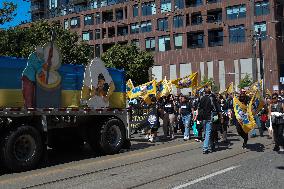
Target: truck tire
x=21, y=149
x=109, y=138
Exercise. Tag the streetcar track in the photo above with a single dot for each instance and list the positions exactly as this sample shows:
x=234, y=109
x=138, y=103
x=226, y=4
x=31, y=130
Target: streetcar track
x=190, y=169
x=109, y=168
x=137, y=162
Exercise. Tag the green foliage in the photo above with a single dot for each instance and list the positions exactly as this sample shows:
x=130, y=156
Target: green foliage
x=214, y=87
x=7, y=12
x=20, y=42
x=245, y=82
x=135, y=62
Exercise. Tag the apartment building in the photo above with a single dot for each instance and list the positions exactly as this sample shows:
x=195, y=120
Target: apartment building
x=212, y=37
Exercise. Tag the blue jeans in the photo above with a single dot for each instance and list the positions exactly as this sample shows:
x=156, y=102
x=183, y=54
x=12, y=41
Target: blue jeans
x=207, y=125
x=186, y=122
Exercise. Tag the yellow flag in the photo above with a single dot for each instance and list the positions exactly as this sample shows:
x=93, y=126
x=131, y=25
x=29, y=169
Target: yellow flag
x=244, y=115
x=268, y=92
x=129, y=87
x=187, y=81
x=230, y=88
x=257, y=86
x=257, y=103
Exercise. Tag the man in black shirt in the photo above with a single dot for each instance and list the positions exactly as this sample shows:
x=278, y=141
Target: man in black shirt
x=206, y=110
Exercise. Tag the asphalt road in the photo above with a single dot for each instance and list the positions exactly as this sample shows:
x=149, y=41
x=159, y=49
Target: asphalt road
x=165, y=164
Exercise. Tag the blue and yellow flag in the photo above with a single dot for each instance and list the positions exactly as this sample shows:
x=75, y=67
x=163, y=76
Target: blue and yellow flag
x=187, y=81
x=142, y=90
x=244, y=115
x=257, y=103
x=164, y=88
x=230, y=89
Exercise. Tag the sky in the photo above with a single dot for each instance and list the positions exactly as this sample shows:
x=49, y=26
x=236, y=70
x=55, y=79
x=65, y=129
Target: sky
x=22, y=13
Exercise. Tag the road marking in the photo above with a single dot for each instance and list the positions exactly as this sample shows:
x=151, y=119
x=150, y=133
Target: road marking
x=80, y=166
x=205, y=177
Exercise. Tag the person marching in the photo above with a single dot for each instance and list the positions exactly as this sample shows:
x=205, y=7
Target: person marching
x=206, y=109
x=169, y=115
x=276, y=109
x=243, y=98
x=186, y=111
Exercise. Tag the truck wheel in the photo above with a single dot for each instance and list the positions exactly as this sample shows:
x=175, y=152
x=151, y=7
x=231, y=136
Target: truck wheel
x=21, y=149
x=112, y=136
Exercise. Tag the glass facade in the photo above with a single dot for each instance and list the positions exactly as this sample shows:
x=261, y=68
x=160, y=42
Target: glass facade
x=235, y=12
x=164, y=43
x=89, y=19
x=195, y=39
x=88, y=35
x=237, y=34
x=179, y=4
x=75, y=22
x=135, y=10
x=134, y=28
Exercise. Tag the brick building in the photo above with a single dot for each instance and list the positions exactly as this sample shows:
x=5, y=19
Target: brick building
x=212, y=37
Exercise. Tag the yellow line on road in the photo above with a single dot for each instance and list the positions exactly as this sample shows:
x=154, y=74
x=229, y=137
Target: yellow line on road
x=59, y=170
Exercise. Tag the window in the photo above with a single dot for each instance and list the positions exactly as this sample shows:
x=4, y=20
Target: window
x=178, y=21
x=215, y=37
x=111, y=32
x=107, y=16
x=179, y=4
x=134, y=28
x=196, y=18
x=136, y=42
x=98, y=18
x=237, y=34
x=89, y=19
x=104, y=33
x=75, y=22
x=150, y=44
x=135, y=10
x=97, y=33
x=235, y=12
x=122, y=30
x=262, y=8
x=178, y=41
x=148, y=8
x=91, y=47
x=195, y=39
x=214, y=16
x=146, y=26
x=166, y=6
x=87, y=35
x=163, y=24
x=262, y=26
x=97, y=50
x=193, y=3
x=164, y=43
x=53, y=4
x=119, y=14
x=66, y=24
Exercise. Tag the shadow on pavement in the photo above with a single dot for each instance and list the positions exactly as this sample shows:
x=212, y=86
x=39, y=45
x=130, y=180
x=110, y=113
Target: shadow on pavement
x=280, y=167
x=257, y=147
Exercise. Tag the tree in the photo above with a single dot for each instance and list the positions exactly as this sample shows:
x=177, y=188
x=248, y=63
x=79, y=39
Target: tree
x=211, y=82
x=7, y=12
x=20, y=42
x=245, y=82
x=135, y=62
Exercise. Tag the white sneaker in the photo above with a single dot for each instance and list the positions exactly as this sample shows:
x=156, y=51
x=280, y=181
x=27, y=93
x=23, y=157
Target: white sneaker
x=147, y=137
x=151, y=139
x=173, y=136
x=185, y=137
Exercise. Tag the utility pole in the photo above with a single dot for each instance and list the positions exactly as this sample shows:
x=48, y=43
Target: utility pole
x=253, y=43
x=261, y=61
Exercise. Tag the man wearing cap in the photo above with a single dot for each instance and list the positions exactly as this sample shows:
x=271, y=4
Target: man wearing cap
x=34, y=66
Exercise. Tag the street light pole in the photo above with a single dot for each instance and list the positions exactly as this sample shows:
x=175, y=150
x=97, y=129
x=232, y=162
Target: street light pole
x=253, y=42
x=261, y=61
